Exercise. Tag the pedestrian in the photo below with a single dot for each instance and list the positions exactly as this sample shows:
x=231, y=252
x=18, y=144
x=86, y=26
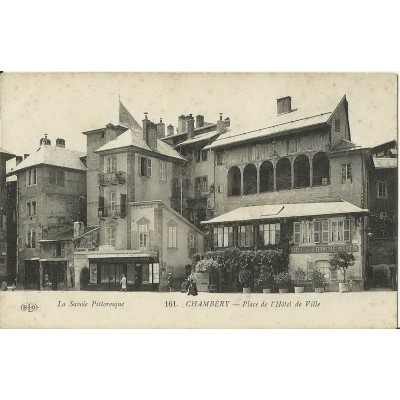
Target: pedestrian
x=123, y=283
x=192, y=291
x=170, y=282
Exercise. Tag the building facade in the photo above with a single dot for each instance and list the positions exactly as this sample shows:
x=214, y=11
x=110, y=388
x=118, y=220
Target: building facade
x=303, y=156
x=51, y=193
x=6, y=270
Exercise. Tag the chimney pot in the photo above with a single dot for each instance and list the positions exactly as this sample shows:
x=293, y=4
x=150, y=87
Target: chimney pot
x=145, y=115
x=220, y=116
x=170, y=130
x=199, y=121
x=190, y=126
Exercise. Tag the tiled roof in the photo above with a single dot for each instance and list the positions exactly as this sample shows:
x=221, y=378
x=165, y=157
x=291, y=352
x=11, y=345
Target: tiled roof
x=279, y=211
x=381, y=162
x=7, y=154
x=135, y=139
x=315, y=114
x=52, y=155
x=199, y=138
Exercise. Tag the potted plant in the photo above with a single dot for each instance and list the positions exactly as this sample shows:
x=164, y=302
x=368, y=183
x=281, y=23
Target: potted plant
x=342, y=261
x=245, y=278
x=299, y=276
x=318, y=280
x=265, y=280
x=283, y=280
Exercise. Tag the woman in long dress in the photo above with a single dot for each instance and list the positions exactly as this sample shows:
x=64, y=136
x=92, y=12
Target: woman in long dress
x=192, y=286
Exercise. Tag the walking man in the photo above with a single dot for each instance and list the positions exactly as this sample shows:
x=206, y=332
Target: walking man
x=123, y=283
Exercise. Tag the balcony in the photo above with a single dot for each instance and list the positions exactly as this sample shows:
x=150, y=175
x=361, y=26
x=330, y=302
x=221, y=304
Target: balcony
x=111, y=178
x=112, y=211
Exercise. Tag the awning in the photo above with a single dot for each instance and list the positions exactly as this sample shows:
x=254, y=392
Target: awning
x=32, y=259
x=53, y=259
x=123, y=256
x=280, y=211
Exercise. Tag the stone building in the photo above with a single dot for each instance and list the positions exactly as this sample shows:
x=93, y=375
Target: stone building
x=302, y=155
x=128, y=166
x=51, y=192
x=6, y=272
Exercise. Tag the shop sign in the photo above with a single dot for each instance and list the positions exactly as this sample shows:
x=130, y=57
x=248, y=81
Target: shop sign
x=323, y=249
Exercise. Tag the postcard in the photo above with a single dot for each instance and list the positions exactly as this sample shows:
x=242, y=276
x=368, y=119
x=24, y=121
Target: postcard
x=198, y=200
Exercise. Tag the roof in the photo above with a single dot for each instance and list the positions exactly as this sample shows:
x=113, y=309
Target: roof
x=52, y=155
x=59, y=236
x=170, y=209
x=117, y=115
x=199, y=128
x=199, y=138
x=382, y=162
x=118, y=254
x=131, y=138
x=6, y=153
x=87, y=230
x=387, y=145
x=279, y=211
x=312, y=115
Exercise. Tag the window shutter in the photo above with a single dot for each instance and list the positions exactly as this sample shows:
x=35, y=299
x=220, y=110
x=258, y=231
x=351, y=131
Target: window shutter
x=325, y=231
x=123, y=204
x=139, y=165
x=346, y=230
x=148, y=167
x=297, y=232
x=316, y=231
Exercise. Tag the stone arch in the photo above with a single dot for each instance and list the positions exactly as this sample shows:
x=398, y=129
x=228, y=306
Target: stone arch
x=250, y=179
x=283, y=174
x=301, y=171
x=321, y=169
x=266, y=177
x=234, y=181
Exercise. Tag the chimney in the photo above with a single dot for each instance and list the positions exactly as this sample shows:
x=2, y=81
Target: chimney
x=190, y=126
x=199, y=121
x=60, y=143
x=150, y=133
x=45, y=141
x=160, y=129
x=284, y=105
x=181, y=124
x=18, y=159
x=26, y=156
x=220, y=124
x=227, y=122
x=170, y=130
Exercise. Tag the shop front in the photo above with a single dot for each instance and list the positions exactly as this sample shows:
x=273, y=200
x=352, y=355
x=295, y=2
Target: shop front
x=106, y=271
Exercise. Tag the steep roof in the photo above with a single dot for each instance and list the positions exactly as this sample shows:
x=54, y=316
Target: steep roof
x=307, y=116
x=131, y=138
x=7, y=155
x=382, y=162
x=117, y=115
x=52, y=155
x=267, y=211
x=199, y=138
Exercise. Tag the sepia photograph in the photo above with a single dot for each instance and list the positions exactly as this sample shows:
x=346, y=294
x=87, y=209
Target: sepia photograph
x=198, y=200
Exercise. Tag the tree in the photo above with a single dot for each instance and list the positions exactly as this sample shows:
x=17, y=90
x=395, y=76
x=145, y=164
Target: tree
x=341, y=261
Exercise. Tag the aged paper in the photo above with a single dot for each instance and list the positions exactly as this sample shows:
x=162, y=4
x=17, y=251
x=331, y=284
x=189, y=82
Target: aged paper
x=65, y=105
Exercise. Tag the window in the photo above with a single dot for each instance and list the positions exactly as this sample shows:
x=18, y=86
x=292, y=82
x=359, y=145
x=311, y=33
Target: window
x=337, y=124
x=59, y=250
x=112, y=201
x=324, y=267
x=143, y=237
x=219, y=158
x=31, y=208
x=192, y=241
x=204, y=183
x=31, y=239
x=346, y=173
x=197, y=155
x=382, y=190
x=220, y=189
x=172, y=239
x=270, y=233
x=204, y=155
x=31, y=177
x=383, y=215
x=325, y=231
x=163, y=171
x=111, y=235
x=223, y=236
x=246, y=238
x=144, y=166
x=56, y=177
x=111, y=164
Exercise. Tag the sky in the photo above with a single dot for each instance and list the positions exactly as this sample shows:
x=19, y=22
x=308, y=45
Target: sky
x=64, y=105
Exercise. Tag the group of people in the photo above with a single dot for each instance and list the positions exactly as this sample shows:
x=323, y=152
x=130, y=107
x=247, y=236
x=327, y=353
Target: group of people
x=189, y=285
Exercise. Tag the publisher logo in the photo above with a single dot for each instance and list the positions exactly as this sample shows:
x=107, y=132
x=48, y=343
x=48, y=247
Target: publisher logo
x=30, y=307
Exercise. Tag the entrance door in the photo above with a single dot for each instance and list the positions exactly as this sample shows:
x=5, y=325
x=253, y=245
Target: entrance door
x=138, y=274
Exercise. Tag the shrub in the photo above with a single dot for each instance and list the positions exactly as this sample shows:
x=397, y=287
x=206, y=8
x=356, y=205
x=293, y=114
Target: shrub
x=245, y=277
x=283, y=280
x=318, y=279
x=206, y=265
x=341, y=261
x=265, y=279
x=299, y=276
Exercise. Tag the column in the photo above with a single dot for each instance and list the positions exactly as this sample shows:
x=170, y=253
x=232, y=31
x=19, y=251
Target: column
x=274, y=173
x=258, y=178
x=241, y=182
x=41, y=275
x=311, y=171
x=291, y=173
